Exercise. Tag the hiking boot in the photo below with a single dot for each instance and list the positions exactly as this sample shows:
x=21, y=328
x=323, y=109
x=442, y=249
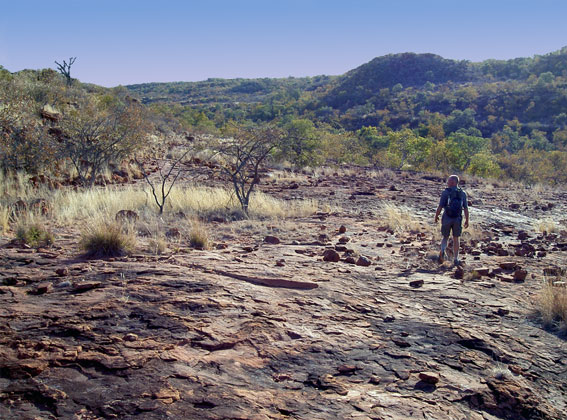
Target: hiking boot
x=442, y=257
x=457, y=262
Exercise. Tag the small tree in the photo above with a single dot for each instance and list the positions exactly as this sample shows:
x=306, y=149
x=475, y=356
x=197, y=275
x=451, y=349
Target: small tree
x=245, y=152
x=65, y=69
x=167, y=178
x=97, y=133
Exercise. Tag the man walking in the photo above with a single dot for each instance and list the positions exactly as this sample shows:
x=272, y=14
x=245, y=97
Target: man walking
x=453, y=202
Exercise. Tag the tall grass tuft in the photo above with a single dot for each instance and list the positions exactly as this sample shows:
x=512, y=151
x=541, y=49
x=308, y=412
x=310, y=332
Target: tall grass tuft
x=106, y=240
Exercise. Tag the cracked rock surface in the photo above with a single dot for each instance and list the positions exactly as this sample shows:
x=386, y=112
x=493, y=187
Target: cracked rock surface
x=277, y=331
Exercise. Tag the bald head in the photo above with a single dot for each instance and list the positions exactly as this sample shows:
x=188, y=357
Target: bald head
x=453, y=181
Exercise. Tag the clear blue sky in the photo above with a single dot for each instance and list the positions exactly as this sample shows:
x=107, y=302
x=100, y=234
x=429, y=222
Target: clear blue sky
x=136, y=41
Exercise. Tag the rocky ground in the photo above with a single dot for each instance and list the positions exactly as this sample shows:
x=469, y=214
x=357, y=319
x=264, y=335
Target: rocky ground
x=299, y=319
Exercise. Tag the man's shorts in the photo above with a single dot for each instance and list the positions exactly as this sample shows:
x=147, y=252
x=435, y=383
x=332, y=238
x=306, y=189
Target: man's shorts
x=449, y=224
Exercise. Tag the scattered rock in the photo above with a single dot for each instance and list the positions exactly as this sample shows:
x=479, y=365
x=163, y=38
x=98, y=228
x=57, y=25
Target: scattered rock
x=459, y=273
x=173, y=233
x=331, y=255
x=363, y=261
x=342, y=229
x=429, y=377
x=416, y=283
x=350, y=260
x=130, y=337
x=126, y=216
x=520, y=275
x=344, y=239
x=272, y=240
x=62, y=272
x=508, y=265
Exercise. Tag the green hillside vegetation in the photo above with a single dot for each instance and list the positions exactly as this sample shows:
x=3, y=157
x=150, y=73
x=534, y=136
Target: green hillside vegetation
x=501, y=119
x=407, y=111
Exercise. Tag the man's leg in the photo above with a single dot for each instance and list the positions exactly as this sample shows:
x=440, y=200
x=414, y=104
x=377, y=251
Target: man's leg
x=442, y=255
x=456, y=249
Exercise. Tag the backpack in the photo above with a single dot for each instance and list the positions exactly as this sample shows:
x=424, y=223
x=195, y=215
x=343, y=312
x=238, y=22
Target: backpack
x=454, y=205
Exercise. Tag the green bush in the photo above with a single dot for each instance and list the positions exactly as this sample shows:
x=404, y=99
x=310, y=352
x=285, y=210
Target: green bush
x=34, y=235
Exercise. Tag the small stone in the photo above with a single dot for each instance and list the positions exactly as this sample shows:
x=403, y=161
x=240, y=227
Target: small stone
x=508, y=265
x=429, y=377
x=130, y=337
x=482, y=271
x=280, y=263
x=502, y=311
x=342, y=229
x=272, y=240
x=374, y=379
x=344, y=239
x=63, y=284
x=347, y=369
x=401, y=343
x=42, y=288
x=363, y=261
x=62, y=272
x=459, y=273
x=331, y=255
x=520, y=275
x=173, y=233
x=416, y=283
x=350, y=260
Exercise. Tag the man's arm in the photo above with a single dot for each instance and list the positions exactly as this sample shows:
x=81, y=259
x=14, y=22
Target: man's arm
x=466, y=217
x=438, y=212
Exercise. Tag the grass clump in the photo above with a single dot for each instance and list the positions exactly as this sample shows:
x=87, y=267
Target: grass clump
x=106, y=240
x=400, y=218
x=199, y=237
x=552, y=305
x=546, y=226
x=34, y=235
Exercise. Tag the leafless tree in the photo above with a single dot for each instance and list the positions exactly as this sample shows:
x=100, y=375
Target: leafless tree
x=161, y=188
x=245, y=152
x=65, y=69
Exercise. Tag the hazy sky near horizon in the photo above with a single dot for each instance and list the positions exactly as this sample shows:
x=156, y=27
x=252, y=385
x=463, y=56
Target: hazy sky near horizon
x=136, y=41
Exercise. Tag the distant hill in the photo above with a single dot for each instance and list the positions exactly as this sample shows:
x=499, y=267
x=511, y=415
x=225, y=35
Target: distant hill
x=213, y=91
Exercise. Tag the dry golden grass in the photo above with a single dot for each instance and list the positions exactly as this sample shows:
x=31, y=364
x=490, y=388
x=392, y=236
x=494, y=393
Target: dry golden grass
x=199, y=236
x=401, y=218
x=546, y=226
x=88, y=204
x=4, y=219
x=552, y=305
x=106, y=240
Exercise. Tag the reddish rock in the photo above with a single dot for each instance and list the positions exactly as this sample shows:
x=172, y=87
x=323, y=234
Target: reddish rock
x=124, y=216
x=520, y=275
x=416, y=283
x=429, y=377
x=272, y=240
x=344, y=239
x=342, y=229
x=508, y=265
x=350, y=260
x=331, y=255
x=363, y=261
x=459, y=273
x=173, y=233
x=62, y=272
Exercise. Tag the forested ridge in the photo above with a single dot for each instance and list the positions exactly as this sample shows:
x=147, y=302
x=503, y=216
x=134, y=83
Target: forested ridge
x=496, y=118
x=413, y=111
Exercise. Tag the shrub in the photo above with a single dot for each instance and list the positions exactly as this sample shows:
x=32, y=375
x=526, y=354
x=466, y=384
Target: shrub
x=199, y=237
x=106, y=240
x=552, y=305
x=34, y=235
